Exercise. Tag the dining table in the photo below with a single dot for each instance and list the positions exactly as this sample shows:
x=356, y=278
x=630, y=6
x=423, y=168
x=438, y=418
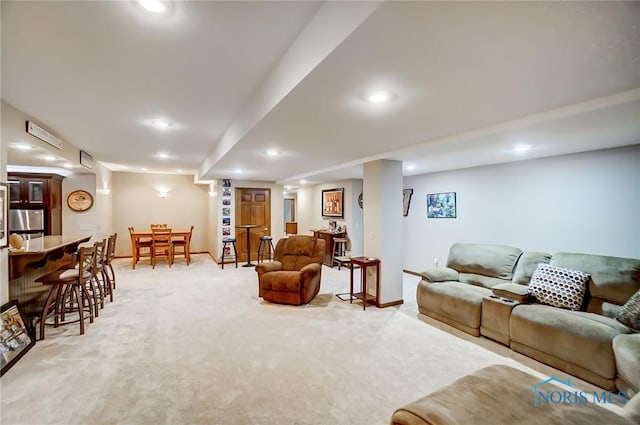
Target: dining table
x=138, y=235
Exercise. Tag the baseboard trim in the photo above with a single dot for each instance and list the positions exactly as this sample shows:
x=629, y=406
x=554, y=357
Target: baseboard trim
x=391, y=304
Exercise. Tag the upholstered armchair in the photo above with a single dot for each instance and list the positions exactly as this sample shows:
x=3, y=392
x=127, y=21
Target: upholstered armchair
x=294, y=275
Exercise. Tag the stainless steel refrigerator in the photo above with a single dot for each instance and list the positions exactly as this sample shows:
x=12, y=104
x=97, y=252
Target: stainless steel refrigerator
x=27, y=223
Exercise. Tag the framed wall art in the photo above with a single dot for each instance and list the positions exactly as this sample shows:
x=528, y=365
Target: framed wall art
x=441, y=205
x=406, y=201
x=15, y=340
x=332, y=203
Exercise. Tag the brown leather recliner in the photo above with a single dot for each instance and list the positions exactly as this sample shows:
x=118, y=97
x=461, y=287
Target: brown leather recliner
x=294, y=275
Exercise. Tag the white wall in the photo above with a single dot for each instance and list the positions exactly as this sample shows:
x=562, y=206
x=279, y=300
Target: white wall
x=137, y=203
x=74, y=223
x=309, y=206
x=587, y=202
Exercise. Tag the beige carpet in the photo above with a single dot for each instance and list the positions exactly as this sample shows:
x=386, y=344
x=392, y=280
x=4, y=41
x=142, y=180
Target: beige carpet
x=195, y=345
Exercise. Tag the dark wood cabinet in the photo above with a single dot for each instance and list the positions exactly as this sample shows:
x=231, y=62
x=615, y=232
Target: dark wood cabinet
x=328, y=237
x=38, y=191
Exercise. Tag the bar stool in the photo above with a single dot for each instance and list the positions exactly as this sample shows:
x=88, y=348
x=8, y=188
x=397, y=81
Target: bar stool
x=69, y=292
x=225, y=242
x=266, y=244
x=111, y=254
x=339, y=250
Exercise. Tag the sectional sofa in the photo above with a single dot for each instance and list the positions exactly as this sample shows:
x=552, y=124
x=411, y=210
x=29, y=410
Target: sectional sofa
x=486, y=290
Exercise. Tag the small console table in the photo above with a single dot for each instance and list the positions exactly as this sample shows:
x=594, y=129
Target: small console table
x=496, y=312
x=363, y=263
x=328, y=237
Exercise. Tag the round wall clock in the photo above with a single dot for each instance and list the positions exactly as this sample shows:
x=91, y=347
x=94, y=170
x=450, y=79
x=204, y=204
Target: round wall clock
x=80, y=200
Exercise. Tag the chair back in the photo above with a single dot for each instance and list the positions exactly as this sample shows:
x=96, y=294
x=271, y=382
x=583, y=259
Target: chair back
x=101, y=252
x=111, y=248
x=160, y=236
x=86, y=262
x=158, y=226
x=297, y=251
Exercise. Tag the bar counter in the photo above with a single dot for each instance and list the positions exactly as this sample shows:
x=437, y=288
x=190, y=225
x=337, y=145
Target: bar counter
x=38, y=257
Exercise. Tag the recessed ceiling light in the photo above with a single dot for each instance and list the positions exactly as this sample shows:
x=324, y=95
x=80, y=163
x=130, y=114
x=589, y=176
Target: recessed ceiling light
x=410, y=167
x=521, y=148
x=67, y=165
x=23, y=147
x=238, y=171
x=162, y=124
x=379, y=97
x=144, y=169
x=179, y=171
x=162, y=155
x=303, y=181
x=155, y=6
x=287, y=187
x=49, y=158
x=273, y=152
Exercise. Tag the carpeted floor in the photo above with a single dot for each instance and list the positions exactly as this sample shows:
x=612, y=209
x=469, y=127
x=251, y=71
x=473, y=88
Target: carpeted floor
x=195, y=345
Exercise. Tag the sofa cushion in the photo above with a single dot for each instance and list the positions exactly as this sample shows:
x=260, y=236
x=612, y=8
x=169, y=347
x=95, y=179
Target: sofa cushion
x=613, y=279
x=626, y=348
x=575, y=337
x=629, y=313
x=484, y=259
x=559, y=286
x=527, y=264
x=455, y=303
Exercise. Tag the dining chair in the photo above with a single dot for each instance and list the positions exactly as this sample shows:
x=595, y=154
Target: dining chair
x=138, y=245
x=161, y=245
x=183, y=243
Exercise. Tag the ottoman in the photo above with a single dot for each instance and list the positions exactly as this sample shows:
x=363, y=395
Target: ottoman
x=500, y=394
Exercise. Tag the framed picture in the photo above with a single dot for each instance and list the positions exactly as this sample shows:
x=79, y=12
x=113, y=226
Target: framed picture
x=226, y=201
x=226, y=182
x=441, y=205
x=226, y=191
x=4, y=215
x=332, y=203
x=226, y=211
x=15, y=341
x=406, y=201
x=226, y=221
x=226, y=231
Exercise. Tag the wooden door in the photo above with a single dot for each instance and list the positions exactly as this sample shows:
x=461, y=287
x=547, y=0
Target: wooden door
x=253, y=206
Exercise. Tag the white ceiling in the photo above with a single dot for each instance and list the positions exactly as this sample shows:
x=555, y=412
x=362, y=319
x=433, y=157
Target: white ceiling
x=470, y=80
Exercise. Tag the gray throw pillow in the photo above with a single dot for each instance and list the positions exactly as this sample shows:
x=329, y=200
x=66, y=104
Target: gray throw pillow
x=629, y=313
x=559, y=286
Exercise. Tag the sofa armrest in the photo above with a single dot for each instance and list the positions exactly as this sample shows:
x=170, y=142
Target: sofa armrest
x=440, y=275
x=271, y=266
x=513, y=291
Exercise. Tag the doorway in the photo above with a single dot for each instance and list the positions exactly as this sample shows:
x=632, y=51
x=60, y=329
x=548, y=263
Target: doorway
x=253, y=206
x=289, y=210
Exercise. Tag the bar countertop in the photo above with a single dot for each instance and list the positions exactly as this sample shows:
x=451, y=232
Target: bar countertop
x=47, y=244
x=38, y=251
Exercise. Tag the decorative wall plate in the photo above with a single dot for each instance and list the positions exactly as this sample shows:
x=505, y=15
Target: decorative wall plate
x=360, y=200
x=80, y=200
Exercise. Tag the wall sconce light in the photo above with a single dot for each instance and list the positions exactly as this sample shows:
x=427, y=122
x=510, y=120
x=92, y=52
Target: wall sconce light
x=163, y=194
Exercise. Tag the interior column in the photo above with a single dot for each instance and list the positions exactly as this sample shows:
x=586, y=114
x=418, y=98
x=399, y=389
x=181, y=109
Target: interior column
x=382, y=225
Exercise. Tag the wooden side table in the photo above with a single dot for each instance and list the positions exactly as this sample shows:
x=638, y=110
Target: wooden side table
x=496, y=313
x=364, y=263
